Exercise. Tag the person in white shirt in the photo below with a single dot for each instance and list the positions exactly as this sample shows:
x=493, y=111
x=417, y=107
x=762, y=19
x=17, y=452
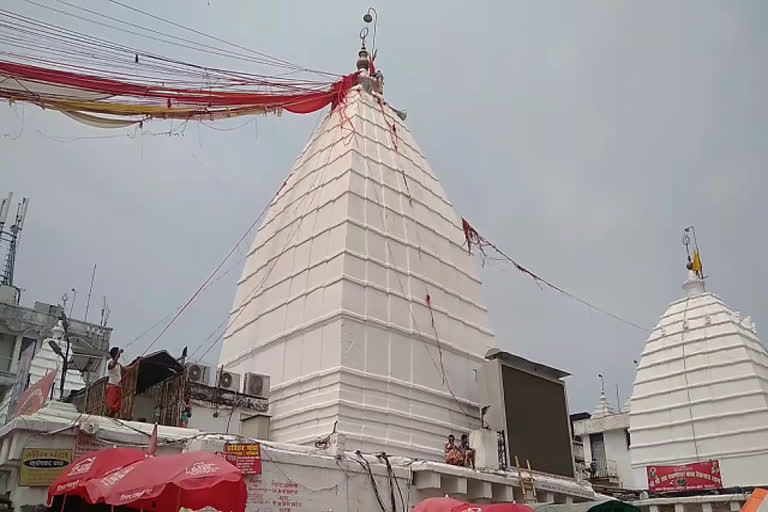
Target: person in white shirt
x=114, y=396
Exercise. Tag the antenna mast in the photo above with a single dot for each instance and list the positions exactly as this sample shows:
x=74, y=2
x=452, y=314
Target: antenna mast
x=104, y=312
x=90, y=289
x=11, y=235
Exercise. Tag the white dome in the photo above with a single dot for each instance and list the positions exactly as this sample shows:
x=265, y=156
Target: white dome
x=701, y=391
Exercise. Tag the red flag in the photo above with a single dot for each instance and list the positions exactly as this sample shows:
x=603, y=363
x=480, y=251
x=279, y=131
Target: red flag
x=36, y=396
x=153, y=441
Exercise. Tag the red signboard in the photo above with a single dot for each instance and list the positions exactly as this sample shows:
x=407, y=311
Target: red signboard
x=696, y=476
x=35, y=397
x=244, y=456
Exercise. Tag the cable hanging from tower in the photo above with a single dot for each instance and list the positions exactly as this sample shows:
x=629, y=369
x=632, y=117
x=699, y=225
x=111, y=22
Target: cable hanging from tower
x=473, y=238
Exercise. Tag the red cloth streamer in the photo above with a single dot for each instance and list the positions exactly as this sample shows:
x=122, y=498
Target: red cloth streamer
x=470, y=234
x=341, y=89
x=372, y=66
x=300, y=103
x=431, y=313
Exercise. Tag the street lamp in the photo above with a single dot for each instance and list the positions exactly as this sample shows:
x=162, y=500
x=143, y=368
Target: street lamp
x=59, y=332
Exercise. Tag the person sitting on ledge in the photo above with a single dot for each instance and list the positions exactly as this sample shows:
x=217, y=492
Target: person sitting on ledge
x=453, y=455
x=467, y=451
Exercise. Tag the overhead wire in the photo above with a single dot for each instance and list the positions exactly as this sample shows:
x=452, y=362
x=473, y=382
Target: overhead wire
x=194, y=46
x=209, y=278
x=474, y=237
x=157, y=32
x=215, y=38
x=75, y=73
x=107, y=56
x=240, y=309
x=251, y=294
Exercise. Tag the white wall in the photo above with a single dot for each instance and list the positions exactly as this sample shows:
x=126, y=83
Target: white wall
x=221, y=419
x=616, y=450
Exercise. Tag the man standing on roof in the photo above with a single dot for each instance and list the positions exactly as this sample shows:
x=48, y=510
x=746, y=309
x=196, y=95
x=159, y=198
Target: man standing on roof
x=114, y=395
x=113, y=398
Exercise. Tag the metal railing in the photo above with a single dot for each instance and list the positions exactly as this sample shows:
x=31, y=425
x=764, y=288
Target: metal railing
x=602, y=469
x=502, y=449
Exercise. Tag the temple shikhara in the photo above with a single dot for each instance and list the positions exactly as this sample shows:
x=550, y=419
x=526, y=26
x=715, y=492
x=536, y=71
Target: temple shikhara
x=359, y=297
x=701, y=391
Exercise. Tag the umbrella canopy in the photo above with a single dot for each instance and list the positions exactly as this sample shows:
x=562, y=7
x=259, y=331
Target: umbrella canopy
x=604, y=505
x=73, y=480
x=191, y=480
x=451, y=505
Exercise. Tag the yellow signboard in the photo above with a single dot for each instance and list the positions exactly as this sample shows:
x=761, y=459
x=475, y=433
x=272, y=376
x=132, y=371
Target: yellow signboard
x=40, y=466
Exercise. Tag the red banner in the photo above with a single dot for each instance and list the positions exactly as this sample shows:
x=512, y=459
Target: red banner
x=244, y=456
x=696, y=476
x=35, y=397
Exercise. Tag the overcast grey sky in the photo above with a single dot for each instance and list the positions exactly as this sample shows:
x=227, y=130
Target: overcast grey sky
x=581, y=137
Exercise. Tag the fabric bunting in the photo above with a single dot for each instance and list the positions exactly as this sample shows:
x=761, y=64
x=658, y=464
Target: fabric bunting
x=87, y=98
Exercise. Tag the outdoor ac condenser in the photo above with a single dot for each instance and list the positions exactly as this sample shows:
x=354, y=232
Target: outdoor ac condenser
x=198, y=373
x=228, y=380
x=256, y=385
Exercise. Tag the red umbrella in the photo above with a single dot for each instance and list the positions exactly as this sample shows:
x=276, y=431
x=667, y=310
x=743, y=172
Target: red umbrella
x=437, y=505
x=451, y=505
x=72, y=481
x=492, y=507
x=192, y=480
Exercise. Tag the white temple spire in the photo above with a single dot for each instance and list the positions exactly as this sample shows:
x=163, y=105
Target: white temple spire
x=700, y=388
x=694, y=285
x=603, y=407
x=332, y=303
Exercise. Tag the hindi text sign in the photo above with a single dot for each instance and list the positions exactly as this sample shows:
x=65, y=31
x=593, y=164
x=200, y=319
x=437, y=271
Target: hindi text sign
x=696, y=476
x=41, y=466
x=244, y=456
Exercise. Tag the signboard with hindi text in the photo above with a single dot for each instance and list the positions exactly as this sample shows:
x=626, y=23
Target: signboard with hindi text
x=40, y=466
x=696, y=476
x=244, y=456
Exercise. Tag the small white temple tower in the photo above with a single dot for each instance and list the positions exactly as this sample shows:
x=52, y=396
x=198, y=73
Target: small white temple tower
x=701, y=390
x=359, y=297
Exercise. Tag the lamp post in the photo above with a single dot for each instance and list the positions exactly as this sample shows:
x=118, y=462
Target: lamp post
x=61, y=331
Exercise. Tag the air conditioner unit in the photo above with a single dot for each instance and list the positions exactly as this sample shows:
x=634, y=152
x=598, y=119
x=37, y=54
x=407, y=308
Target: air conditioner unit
x=256, y=385
x=228, y=380
x=198, y=373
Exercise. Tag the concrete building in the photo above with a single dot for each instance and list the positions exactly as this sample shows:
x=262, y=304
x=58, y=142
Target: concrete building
x=701, y=392
x=359, y=297
x=327, y=477
x=27, y=354
x=605, y=440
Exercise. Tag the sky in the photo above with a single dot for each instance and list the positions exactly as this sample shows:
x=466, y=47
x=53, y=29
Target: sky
x=580, y=137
